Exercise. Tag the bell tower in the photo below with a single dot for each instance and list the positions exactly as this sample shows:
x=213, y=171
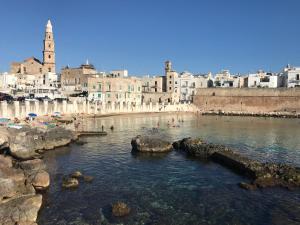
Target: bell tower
x=168, y=67
x=49, y=53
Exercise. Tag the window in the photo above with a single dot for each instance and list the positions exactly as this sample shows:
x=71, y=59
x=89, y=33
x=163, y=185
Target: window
x=99, y=86
x=170, y=77
x=297, y=77
x=24, y=69
x=108, y=86
x=99, y=95
x=49, y=56
x=175, y=82
x=41, y=70
x=108, y=95
x=49, y=36
x=49, y=45
x=170, y=88
x=155, y=82
x=170, y=82
x=139, y=88
x=49, y=69
x=94, y=87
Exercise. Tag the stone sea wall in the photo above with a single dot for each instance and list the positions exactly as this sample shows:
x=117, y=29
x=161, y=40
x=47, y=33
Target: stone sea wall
x=248, y=100
x=20, y=110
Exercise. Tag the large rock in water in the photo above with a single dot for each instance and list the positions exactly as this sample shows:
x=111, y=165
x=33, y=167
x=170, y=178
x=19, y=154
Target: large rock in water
x=262, y=174
x=22, y=210
x=25, y=143
x=148, y=144
x=120, y=209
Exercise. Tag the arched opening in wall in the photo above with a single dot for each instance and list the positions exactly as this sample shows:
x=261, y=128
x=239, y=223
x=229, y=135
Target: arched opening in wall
x=169, y=100
x=210, y=83
x=213, y=94
x=49, y=70
x=49, y=56
x=159, y=100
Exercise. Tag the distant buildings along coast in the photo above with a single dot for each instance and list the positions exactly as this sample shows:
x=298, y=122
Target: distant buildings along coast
x=33, y=78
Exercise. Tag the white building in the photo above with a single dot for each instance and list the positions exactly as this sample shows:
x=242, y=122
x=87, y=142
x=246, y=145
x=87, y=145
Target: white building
x=189, y=84
x=265, y=80
x=226, y=80
x=292, y=75
x=7, y=81
x=119, y=73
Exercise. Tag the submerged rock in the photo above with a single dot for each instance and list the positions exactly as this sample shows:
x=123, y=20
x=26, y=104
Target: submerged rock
x=148, y=144
x=76, y=174
x=70, y=182
x=88, y=179
x=120, y=209
x=80, y=142
x=247, y=186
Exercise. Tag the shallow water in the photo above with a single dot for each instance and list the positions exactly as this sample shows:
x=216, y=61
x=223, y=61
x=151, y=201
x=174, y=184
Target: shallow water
x=172, y=189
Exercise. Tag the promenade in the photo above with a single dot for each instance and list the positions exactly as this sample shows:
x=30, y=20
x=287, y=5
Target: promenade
x=21, y=110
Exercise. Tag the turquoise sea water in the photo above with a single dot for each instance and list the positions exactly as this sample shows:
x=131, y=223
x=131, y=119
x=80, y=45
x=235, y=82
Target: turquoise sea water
x=172, y=189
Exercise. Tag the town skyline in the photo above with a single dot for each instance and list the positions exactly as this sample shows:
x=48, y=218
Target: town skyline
x=77, y=39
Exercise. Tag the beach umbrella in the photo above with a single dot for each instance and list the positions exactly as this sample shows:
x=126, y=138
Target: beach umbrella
x=32, y=115
x=56, y=114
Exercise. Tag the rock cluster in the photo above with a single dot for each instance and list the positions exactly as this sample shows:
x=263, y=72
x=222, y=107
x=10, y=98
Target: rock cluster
x=261, y=114
x=72, y=181
x=151, y=145
x=262, y=174
x=22, y=173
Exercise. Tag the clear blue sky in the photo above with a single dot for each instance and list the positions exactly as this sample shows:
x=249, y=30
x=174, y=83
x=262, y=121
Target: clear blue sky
x=139, y=35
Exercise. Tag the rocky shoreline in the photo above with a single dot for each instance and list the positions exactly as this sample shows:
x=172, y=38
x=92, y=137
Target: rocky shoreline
x=249, y=114
x=262, y=175
x=23, y=174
